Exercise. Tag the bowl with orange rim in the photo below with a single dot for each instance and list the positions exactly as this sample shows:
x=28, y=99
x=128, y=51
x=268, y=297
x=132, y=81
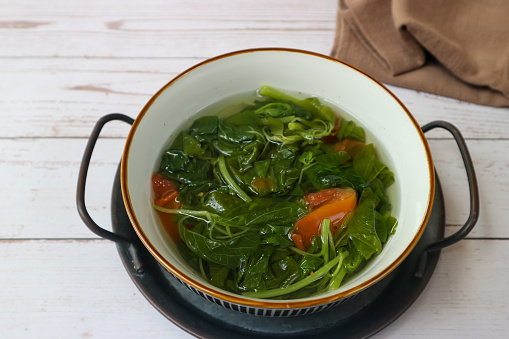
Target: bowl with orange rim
x=306, y=220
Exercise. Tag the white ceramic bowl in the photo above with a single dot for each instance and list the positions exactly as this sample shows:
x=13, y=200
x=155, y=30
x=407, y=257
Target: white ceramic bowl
x=388, y=124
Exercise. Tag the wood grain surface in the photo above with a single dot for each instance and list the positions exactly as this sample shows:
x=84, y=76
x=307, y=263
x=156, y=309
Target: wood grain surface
x=63, y=65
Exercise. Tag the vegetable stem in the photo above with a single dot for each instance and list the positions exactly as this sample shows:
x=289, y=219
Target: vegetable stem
x=312, y=105
x=192, y=213
x=304, y=168
x=202, y=270
x=298, y=285
x=326, y=233
x=229, y=180
x=301, y=252
x=337, y=279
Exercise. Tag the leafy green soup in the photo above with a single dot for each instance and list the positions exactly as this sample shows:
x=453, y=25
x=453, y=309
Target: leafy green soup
x=282, y=199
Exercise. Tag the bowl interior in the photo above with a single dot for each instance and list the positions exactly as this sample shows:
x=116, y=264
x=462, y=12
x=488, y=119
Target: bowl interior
x=221, y=81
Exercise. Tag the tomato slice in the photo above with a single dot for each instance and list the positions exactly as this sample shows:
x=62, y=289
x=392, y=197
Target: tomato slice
x=165, y=195
x=164, y=189
x=333, y=204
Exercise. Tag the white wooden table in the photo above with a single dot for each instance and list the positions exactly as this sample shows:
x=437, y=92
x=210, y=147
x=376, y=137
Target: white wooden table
x=64, y=64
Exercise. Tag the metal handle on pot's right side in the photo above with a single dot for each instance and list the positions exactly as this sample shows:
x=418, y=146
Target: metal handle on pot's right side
x=472, y=183
x=474, y=192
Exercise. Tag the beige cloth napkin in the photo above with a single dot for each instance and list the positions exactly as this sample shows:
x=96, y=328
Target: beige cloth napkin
x=455, y=48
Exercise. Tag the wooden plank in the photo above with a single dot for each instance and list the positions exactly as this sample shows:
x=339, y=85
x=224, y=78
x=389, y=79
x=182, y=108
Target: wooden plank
x=67, y=289
x=71, y=289
x=474, y=121
x=65, y=64
x=162, y=16
x=491, y=163
x=59, y=97
x=466, y=298
x=39, y=197
x=182, y=28
x=66, y=98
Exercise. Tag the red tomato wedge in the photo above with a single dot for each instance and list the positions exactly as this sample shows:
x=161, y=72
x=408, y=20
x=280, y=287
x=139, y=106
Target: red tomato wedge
x=164, y=189
x=165, y=195
x=333, y=204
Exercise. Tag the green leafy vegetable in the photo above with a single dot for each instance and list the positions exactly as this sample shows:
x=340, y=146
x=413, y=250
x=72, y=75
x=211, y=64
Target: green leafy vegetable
x=262, y=211
x=191, y=145
x=332, y=161
x=258, y=264
x=219, y=202
x=311, y=104
x=223, y=252
x=366, y=165
x=362, y=230
x=229, y=180
x=204, y=129
x=350, y=130
x=243, y=181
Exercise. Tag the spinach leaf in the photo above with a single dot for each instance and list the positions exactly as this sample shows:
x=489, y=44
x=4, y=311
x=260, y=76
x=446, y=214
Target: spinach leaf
x=227, y=149
x=191, y=145
x=368, y=194
x=297, y=191
x=189, y=256
x=204, y=129
x=174, y=160
x=223, y=252
x=309, y=263
x=284, y=156
x=275, y=109
x=257, y=265
x=366, y=165
x=261, y=168
x=386, y=177
x=218, y=274
x=285, y=271
x=361, y=228
x=311, y=104
x=385, y=224
x=231, y=133
x=250, y=153
x=378, y=188
x=307, y=157
x=276, y=235
x=220, y=202
x=191, y=193
x=350, y=130
x=320, y=177
x=302, y=113
x=355, y=260
x=264, y=210
x=332, y=160
x=276, y=126
x=245, y=118
x=283, y=168
x=322, y=111
x=194, y=170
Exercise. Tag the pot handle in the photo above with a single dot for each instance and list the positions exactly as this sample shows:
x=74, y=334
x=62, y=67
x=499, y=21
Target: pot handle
x=474, y=193
x=80, y=192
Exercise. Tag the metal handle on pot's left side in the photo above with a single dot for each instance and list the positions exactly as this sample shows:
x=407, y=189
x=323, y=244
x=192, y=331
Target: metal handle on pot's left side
x=80, y=192
x=472, y=184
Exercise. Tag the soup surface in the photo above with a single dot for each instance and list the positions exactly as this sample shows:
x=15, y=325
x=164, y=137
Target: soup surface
x=282, y=199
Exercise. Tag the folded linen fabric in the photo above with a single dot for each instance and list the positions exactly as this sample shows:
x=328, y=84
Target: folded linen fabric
x=454, y=48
